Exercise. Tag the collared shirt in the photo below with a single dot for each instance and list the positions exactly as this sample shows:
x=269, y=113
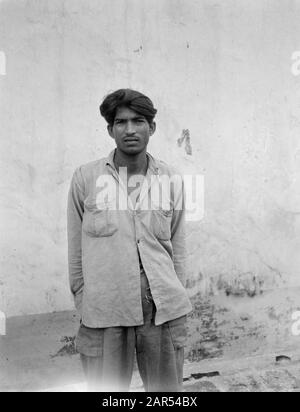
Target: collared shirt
x=108, y=237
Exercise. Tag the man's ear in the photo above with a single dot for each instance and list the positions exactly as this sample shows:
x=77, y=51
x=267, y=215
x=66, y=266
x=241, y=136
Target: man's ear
x=110, y=132
x=152, y=128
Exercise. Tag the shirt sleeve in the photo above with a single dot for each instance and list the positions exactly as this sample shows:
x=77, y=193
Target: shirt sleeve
x=178, y=232
x=74, y=224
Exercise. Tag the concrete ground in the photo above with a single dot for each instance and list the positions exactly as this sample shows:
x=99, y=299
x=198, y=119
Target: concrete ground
x=261, y=374
x=253, y=374
x=37, y=354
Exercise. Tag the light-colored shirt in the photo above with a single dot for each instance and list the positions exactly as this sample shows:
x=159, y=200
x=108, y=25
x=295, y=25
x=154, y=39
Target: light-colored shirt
x=108, y=234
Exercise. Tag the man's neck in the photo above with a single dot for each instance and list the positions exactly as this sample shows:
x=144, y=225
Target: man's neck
x=136, y=164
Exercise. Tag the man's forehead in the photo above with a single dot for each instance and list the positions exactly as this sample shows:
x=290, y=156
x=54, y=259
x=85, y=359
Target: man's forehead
x=126, y=113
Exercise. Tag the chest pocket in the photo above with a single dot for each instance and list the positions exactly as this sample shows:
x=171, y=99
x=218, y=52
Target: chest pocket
x=161, y=221
x=100, y=220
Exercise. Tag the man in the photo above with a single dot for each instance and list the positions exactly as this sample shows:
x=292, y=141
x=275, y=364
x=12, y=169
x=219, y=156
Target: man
x=127, y=256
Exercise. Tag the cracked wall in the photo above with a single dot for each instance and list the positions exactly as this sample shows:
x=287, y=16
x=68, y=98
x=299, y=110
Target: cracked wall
x=220, y=74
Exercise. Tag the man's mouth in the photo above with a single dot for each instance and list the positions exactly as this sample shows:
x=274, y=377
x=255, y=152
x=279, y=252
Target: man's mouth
x=131, y=139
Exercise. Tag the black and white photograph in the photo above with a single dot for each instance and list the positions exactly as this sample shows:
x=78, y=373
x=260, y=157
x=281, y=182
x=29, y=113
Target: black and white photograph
x=149, y=198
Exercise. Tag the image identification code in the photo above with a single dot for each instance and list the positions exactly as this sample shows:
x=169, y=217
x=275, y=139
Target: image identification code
x=171, y=401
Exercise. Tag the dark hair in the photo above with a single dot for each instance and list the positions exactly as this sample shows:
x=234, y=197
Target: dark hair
x=132, y=99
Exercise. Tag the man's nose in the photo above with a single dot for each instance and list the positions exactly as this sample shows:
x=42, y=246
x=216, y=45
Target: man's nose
x=130, y=128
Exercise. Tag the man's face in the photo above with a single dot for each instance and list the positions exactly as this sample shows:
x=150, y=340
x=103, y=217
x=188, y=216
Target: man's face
x=131, y=131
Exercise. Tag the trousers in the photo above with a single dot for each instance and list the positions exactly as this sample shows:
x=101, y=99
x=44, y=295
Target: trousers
x=108, y=354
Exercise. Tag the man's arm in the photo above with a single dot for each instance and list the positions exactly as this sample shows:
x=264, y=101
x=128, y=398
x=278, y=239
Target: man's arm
x=178, y=231
x=75, y=213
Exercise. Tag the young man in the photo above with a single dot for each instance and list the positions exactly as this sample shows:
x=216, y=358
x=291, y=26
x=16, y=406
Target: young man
x=127, y=256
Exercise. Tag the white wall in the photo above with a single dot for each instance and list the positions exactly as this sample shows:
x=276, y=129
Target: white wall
x=221, y=69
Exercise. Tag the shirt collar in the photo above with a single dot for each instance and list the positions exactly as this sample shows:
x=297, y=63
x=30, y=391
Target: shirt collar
x=152, y=164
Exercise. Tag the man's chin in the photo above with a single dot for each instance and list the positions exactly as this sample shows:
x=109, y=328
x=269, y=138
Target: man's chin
x=132, y=151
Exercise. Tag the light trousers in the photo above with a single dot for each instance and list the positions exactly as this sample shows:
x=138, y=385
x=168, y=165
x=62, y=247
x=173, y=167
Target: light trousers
x=108, y=354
